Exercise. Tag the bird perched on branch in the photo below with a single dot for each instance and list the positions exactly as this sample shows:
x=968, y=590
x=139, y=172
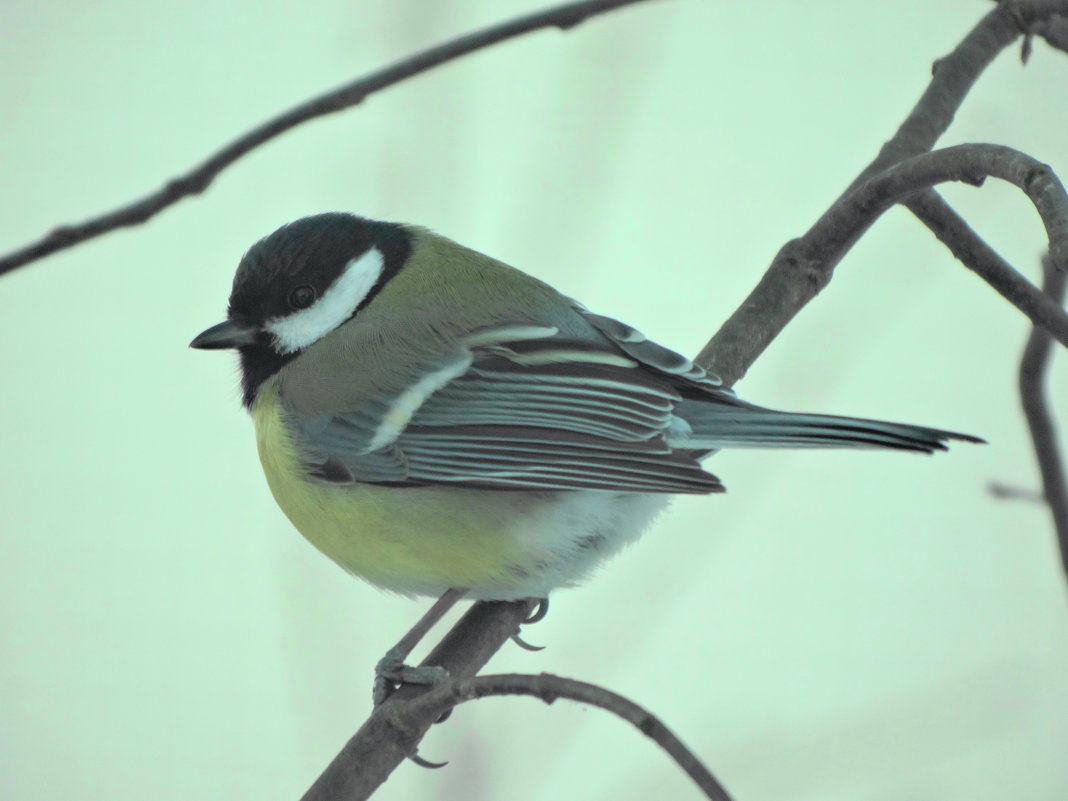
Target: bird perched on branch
x=433, y=419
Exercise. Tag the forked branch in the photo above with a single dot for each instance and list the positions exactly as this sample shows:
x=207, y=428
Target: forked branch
x=799, y=270
x=804, y=266
x=380, y=745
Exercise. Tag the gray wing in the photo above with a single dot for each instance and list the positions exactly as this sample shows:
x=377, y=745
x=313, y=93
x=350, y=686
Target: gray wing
x=521, y=407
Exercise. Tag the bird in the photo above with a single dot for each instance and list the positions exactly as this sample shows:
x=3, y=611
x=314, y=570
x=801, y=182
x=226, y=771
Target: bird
x=434, y=420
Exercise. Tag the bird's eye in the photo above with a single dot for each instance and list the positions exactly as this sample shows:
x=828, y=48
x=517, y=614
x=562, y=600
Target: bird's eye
x=302, y=297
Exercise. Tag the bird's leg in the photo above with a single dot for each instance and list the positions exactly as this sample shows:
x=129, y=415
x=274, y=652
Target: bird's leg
x=391, y=672
x=539, y=613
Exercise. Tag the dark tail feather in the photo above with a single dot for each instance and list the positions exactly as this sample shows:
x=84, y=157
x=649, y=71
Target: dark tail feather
x=715, y=426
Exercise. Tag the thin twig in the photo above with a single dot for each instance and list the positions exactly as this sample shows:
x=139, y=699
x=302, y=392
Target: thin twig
x=975, y=254
x=1033, y=366
x=549, y=688
x=200, y=177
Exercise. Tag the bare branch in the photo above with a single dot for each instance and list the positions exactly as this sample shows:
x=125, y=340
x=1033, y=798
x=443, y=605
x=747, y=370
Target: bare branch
x=1033, y=366
x=978, y=256
x=801, y=269
x=1054, y=31
x=804, y=266
x=549, y=688
x=837, y=230
x=954, y=75
x=200, y=177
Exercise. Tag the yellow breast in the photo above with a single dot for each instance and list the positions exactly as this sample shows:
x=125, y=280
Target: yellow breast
x=419, y=540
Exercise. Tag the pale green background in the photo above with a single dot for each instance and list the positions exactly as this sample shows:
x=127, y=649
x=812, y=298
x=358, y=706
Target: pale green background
x=839, y=626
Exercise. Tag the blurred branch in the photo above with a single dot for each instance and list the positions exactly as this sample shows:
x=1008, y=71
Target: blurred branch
x=200, y=177
x=1008, y=492
x=549, y=688
x=1033, y=366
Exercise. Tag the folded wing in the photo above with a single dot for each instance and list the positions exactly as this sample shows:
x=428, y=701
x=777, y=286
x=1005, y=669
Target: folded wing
x=517, y=407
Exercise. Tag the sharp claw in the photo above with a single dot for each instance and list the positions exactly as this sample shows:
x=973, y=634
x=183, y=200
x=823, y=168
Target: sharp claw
x=526, y=646
x=426, y=763
x=539, y=613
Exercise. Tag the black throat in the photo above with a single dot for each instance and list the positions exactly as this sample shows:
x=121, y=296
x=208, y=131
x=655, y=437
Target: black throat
x=258, y=363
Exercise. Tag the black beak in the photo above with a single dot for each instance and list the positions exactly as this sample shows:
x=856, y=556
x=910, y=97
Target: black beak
x=224, y=335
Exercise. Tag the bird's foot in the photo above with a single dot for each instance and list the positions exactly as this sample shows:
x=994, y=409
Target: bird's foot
x=391, y=673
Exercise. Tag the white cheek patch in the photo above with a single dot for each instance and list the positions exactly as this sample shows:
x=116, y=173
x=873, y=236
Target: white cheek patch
x=302, y=328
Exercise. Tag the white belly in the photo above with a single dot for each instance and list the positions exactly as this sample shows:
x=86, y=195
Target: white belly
x=563, y=541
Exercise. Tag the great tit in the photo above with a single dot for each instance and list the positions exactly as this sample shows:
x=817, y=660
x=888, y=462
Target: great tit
x=431, y=418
